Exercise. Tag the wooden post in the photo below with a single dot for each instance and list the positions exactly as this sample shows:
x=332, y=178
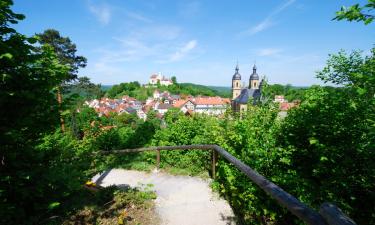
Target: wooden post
x=214, y=160
x=157, y=159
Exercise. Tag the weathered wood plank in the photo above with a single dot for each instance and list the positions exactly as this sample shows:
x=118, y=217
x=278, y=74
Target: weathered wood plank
x=180, y=147
x=333, y=215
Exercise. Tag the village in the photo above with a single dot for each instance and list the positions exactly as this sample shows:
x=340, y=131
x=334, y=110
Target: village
x=162, y=101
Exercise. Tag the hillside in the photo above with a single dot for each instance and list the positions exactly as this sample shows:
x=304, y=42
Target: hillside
x=134, y=89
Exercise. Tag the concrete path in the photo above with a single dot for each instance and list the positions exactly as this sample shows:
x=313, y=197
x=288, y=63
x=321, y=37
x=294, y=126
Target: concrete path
x=181, y=200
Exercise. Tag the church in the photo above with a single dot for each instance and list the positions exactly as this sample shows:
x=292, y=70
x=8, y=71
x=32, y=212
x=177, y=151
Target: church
x=242, y=95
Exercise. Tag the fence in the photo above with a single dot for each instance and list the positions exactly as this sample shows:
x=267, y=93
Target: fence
x=328, y=213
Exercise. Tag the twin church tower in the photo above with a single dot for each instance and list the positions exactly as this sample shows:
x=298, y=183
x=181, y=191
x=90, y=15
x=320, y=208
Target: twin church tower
x=241, y=95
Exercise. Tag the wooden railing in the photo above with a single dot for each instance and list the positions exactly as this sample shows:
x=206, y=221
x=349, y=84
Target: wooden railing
x=328, y=213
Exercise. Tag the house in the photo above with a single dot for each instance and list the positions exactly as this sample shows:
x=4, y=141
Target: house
x=166, y=81
x=156, y=94
x=279, y=99
x=210, y=105
x=163, y=108
x=205, y=105
x=141, y=114
x=158, y=78
x=155, y=78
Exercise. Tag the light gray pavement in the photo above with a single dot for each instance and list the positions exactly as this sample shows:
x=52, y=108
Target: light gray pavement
x=181, y=200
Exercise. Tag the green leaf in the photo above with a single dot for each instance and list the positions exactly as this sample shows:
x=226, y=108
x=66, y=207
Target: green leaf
x=313, y=141
x=361, y=91
x=53, y=205
x=6, y=55
x=323, y=158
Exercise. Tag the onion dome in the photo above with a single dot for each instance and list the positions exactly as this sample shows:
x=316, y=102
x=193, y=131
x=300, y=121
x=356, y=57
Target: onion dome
x=254, y=75
x=237, y=75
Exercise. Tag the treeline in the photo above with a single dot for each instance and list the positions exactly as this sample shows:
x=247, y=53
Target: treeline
x=136, y=90
x=290, y=92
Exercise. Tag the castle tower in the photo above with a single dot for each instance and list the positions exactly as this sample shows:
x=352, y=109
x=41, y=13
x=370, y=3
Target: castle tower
x=254, y=79
x=236, y=84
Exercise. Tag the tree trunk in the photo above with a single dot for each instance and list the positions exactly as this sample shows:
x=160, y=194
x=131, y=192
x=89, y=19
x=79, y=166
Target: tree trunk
x=59, y=101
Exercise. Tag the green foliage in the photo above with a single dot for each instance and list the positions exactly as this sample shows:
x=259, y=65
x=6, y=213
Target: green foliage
x=330, y=136
x=106, y=206
x=35, y=165
x=135, y=90
x=322, y=151
x=357, y=13
x=65, y=51
x=182, y=130
x=290, y=93
x=82, y=89
x=123, y=89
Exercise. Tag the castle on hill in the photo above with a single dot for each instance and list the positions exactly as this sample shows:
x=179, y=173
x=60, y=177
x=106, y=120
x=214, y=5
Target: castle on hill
x=161, y=79
x=242, y=95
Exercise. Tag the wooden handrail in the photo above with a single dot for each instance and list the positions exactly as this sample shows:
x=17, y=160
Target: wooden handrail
x=285, y=199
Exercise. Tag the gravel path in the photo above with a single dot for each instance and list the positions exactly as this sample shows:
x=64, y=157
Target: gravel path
x=181, y=200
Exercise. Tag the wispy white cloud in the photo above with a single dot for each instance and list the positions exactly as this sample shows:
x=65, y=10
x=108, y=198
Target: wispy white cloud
x=155, y=43
x=268, y=21
x=139, y=17
x=269, y=51
x=101, y=11
x=181, y=52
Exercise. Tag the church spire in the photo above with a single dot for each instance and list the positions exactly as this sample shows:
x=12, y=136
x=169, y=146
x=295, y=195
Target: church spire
x=255, y=68
x=237, y=75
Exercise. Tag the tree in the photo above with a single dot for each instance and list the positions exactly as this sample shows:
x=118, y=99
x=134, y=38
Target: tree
x=66, y=53
x=174, y=79
x=28, y=110
x=357, y=13
x=84, y=88
x=65, y=50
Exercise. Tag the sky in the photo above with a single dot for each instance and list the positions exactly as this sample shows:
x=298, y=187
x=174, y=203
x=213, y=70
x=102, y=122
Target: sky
x=199, y=41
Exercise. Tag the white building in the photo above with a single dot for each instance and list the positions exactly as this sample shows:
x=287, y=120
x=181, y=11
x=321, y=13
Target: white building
x=158, y=78
x=279, y=98
x=206, y=105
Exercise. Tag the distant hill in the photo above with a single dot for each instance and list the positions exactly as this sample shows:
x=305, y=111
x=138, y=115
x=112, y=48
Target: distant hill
x=106, y=87
x=195, y=89
x=224, y=90
x=220, y=91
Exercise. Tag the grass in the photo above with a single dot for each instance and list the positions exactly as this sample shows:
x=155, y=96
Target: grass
x=108, y=206
x=145, y=161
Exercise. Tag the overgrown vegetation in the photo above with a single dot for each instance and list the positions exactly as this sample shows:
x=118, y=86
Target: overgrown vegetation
x=109, y=205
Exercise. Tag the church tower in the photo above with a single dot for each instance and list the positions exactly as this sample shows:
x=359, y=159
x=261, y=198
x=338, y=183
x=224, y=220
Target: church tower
x=254, y=79
x=236, y=84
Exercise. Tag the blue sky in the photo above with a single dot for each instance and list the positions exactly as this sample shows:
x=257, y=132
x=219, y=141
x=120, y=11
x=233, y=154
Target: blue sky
x=199, y=41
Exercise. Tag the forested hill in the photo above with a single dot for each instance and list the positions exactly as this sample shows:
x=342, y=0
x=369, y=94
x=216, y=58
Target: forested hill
x=219, y=91
x=136, y=90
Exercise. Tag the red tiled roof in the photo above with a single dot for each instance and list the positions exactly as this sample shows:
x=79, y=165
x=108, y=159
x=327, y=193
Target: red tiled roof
x=179, y=103
x=209, y=101
x=285, y=106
